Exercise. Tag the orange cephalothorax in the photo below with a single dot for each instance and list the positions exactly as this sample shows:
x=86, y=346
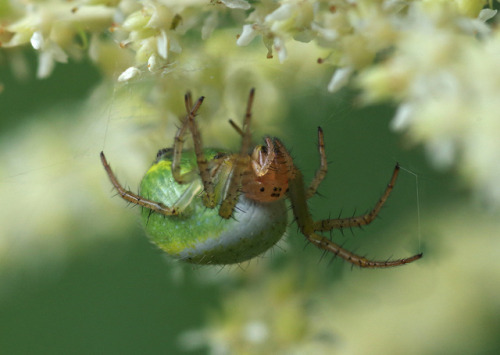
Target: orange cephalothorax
x=271, y=168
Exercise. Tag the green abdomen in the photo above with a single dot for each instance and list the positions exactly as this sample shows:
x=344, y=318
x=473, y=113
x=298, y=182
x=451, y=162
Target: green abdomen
x=199, y=235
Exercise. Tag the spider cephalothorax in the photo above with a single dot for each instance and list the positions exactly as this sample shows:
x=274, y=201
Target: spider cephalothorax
x=247, y=191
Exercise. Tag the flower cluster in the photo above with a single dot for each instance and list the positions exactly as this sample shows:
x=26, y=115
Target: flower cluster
x=277, y=314
x=428, y=57
x=440, y=74
x=150, y=29
x=354, y=32
x=55, y=29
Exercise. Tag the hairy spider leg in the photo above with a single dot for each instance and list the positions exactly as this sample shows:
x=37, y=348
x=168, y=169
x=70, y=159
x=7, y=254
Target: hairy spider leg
x=358, y=221
x=240, y=163
x=134, y=198
x=180, y=178
x=236, y=127
x=323, y=167
x=203, y=166
x=298, y=198
x=179, y=143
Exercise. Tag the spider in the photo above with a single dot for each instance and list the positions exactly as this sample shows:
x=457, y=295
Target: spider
x=210, y=206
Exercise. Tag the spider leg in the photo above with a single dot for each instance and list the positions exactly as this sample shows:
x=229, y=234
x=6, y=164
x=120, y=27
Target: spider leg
x=326, y=244
x=323, y=168
x=134, y=198
x=240, y=163
x=236, y=127
x=179, y=144
x=306, y=225
x=358, y=221
x=203, y=166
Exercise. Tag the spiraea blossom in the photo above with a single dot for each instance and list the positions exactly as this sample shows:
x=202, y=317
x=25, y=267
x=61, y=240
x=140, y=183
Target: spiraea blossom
x=440, y=74
x=432, y=59
x=55, y=29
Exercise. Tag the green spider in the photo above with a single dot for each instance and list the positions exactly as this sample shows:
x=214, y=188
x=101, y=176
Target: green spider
x=210, y=206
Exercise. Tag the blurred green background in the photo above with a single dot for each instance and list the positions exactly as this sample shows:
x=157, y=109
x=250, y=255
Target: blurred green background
x=79, y=276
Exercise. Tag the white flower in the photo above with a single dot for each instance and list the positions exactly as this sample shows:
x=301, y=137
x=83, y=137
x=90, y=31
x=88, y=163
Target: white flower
x=162, y=44
x=37, y=40
x=326, y=34
x=403, y=117
x=339, y=78
x=153, y=63
x=247, y=35
x=236, y=4
x=279, y=45
x=282, y=13
x=128, y=74
x=50, y=53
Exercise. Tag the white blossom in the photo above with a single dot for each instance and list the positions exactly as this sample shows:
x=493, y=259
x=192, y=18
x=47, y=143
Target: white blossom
x=128, y=74
x=247, y=35
x=339, y=78
x=236, y=4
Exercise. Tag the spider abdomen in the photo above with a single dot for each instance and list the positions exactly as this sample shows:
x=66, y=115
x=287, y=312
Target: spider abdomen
x=198, y=234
